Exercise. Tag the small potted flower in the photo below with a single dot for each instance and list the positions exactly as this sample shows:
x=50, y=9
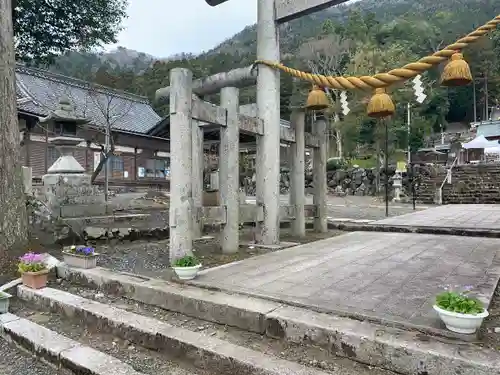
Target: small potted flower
x=33, y=271
x=187, y=267
x=4, y=302
x=80, y=257
x=459, y=312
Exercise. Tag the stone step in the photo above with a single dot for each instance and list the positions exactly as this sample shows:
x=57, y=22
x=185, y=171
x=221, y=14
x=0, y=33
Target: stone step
x=314, y=356
x=206, y=352
x=389, y=348
x=58, y=350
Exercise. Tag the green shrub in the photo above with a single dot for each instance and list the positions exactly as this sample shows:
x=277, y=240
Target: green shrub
x=334, y=164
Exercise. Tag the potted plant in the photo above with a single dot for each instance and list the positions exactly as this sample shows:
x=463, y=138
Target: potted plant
x=80, y=257
x=459, y=312
x=4, y=302
x=187, y=267
x=33, y=271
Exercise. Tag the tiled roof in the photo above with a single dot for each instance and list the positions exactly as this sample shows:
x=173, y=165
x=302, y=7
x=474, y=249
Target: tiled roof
x=126, y=112
x=489, y=128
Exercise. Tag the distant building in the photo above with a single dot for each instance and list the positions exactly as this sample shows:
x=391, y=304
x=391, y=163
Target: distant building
x=489, y=129
x=442, y=147
x=140, y=157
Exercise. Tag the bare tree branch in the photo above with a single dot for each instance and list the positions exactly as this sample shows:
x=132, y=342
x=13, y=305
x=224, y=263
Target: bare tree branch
x=112, y=109
x=328, y=56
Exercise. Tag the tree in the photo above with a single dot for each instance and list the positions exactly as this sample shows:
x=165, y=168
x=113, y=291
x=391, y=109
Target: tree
x=13, y=218
x=45, y=28
x=112, y=109
x=329, y=55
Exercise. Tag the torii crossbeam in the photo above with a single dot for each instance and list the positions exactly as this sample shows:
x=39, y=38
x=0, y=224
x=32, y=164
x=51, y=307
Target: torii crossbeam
x=287, y=10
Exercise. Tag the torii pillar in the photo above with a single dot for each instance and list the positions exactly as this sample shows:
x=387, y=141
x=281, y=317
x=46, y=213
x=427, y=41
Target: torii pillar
x=270, y=13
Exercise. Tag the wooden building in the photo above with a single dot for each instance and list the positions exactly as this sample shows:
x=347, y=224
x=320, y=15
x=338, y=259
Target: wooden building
x=140, y=158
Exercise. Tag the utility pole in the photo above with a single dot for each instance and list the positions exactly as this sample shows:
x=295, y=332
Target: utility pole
x=408, y=109
x=386, y=167
x=474, y=96
x=106, y=164
x=486, y=98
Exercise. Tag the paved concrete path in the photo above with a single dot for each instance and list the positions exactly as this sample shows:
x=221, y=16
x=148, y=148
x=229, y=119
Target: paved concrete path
x=347, y=208
x=385, y=276
x=354, y=207
x=460, y=216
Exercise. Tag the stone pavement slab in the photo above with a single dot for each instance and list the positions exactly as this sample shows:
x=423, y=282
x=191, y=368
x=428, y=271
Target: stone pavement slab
x=386, y=277
x=459, y=216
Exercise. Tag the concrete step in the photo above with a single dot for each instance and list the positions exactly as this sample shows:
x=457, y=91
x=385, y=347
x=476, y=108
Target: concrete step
x=207, y=352
x=58, y=350
x=388, y=348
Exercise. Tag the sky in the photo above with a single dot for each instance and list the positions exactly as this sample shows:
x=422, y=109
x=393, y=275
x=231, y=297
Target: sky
x=163, y=28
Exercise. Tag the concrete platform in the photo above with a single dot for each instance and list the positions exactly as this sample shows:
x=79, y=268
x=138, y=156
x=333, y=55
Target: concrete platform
x=384, y=277
x=322, y=335
x=456, y=216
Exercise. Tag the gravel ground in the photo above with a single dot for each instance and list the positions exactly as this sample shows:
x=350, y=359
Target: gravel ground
x=307, y=355
x=16, y=362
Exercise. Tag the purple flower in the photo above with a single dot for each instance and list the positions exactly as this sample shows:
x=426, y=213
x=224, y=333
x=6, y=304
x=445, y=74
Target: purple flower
x=87, y=251
x=30, y=258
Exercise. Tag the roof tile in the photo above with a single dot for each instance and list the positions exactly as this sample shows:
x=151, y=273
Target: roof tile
x=102, y=105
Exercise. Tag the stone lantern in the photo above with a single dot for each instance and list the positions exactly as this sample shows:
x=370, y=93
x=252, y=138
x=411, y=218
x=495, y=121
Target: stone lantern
x=64, y=115
x=67, y=188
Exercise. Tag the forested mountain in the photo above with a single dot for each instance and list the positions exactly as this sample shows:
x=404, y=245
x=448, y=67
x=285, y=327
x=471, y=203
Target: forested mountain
x=363, y=37
x=84, y=65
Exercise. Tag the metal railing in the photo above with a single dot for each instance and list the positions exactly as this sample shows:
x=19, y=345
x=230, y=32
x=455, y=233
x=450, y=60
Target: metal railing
x=447, y=179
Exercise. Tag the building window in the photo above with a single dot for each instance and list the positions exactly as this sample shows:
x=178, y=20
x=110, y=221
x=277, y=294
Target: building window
x=53, y=155
x=115, y=164
x=62, y=128
x=157, y=168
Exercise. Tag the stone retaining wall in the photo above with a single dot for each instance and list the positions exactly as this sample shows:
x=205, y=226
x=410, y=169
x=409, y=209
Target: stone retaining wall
x=351, y=181
x=470, y=184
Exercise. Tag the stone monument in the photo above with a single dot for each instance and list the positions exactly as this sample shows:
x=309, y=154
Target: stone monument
x=67, y=189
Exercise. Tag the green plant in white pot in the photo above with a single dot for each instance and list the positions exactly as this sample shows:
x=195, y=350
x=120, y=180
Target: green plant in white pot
x=459, y=312
x=187, y=267
x=4, y=302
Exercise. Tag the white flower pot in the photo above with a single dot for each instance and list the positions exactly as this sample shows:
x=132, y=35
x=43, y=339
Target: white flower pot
x=80, y=261
x=4, y=302
x=187, y=273
x=461, y=323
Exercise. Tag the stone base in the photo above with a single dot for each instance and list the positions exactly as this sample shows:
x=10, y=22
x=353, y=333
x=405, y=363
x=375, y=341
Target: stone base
x=72, y=195
x=211, y=198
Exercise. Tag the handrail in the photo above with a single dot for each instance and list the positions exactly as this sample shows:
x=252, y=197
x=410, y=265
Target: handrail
x=448, y=174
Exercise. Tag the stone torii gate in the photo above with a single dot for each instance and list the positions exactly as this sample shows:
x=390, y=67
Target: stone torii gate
x=189, y=116
x=271, y=13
